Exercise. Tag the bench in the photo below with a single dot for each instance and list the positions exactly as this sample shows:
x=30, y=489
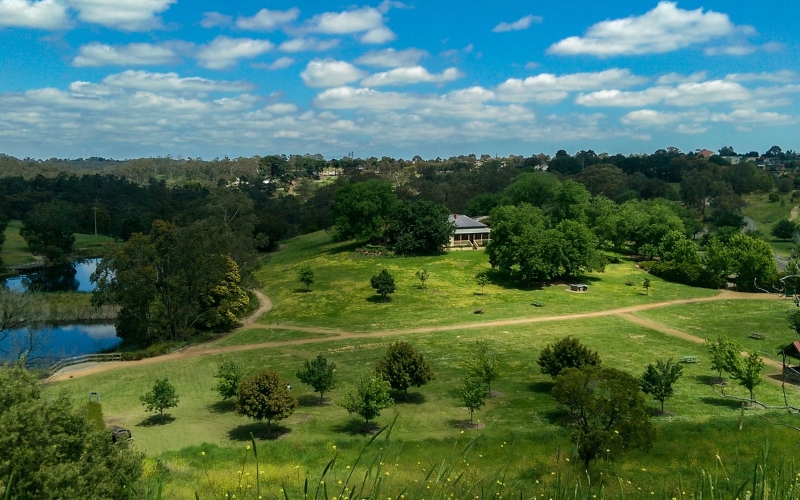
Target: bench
x=757, y=336
x=689, y=359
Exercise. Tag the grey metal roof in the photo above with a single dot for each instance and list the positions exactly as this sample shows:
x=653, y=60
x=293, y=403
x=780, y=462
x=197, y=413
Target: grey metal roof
x=464, y=222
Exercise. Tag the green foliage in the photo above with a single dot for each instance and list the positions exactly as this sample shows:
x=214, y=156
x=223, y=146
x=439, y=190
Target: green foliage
x=161, y=397
x=571, y=202
x=606, y=411
x=748, y=372
x=319, y=374
x=646, y=284
x=658, y=380
x=368, y=397
x=724, y=354
x=473, y=393
x=784, y=229
x=94, y=412
x=482, y=281
x=483, y=364
x=535, y=188
x=229, y=375
x=403, y=367
x=774, y=197
x=676, y=248
x=48, y=229
x=305, y=276
x=566, y=353
x=224, y=301
x=49, y=449
x=363, y=210
x=383, y=283
x=264, y=396
x=422, y=275
x=422, y=227
x=753, y=261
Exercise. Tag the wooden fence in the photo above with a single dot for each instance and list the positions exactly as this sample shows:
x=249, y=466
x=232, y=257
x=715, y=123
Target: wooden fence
x=86, y=358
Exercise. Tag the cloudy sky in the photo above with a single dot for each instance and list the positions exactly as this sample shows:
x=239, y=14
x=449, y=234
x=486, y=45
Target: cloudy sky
x=129, y=78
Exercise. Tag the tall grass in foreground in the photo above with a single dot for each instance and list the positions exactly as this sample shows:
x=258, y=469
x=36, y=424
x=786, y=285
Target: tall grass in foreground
x=374, y=474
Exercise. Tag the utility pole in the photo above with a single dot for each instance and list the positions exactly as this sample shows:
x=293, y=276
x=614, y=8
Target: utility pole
x=95, y=220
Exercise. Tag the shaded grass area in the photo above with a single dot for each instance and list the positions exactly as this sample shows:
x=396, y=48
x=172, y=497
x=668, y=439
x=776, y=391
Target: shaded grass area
x=342, y=296
x=261, y=335
x=735, y=319
x=15, y=249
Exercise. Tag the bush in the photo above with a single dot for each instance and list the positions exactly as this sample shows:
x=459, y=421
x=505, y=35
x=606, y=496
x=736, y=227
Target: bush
x=684, y=273
x=566, y=353
x=773, y=197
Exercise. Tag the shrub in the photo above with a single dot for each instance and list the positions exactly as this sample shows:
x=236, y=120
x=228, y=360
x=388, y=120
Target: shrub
x=566, y=353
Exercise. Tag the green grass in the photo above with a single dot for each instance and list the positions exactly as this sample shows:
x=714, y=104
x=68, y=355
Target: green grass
x=342, y=296
x=736, y=319
x=15, y=249
x=260, y=335
x=767, y=213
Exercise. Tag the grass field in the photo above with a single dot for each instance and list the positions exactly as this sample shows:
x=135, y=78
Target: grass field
x=767, y=213
x=342, y=296
x=259, y=335
x=15, y=249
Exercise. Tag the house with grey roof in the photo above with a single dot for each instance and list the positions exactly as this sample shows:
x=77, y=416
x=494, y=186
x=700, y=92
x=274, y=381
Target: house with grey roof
x=469, y=234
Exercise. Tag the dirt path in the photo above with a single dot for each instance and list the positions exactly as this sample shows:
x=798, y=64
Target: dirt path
x=795, y=213
x=266, y=305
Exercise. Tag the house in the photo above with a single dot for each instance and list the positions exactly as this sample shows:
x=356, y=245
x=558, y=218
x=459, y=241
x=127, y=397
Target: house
x=733, y=160
x=469, y=233
x=704, y=153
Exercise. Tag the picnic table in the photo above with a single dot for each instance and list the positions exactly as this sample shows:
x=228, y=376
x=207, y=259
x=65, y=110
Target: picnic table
x=689, y=359
x=757, y=336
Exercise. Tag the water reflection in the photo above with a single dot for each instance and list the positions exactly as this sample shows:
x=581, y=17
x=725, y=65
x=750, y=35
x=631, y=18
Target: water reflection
x=63, y=340
x=73, y=277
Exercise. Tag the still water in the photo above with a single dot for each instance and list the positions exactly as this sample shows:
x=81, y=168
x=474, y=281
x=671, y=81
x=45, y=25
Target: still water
x=73, y=277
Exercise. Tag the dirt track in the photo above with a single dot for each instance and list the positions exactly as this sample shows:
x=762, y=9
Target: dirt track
x=266, y=306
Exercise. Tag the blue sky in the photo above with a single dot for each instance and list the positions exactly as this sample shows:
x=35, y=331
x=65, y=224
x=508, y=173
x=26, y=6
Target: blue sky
x=129, y=78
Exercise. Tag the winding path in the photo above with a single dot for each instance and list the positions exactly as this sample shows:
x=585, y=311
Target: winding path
x=266, y=305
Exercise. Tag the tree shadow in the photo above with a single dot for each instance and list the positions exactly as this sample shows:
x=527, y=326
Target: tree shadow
x=722, y=402
x=302, y=290
x=259, y=431
x=412, y=398
x=458, y=423
x=555, y=416
x=312, y=400
x=224, y=406
x=356, y=427
x=543, y=387
x=350, y=247
x=377, y=299
x=710, y=380
x=156, y=420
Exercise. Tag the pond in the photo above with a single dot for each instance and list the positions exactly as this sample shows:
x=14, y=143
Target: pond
x=61, y=341
x=73, y=277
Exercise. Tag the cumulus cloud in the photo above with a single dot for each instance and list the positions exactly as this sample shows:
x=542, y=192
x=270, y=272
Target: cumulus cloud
x=159, y=82
x=392, y=58
x=268, y=20
x=366, y=21
x=307, y=45
x=685, y=94
x=410, y=75
x=37, y=14
x=215, y=19
x=281, y=108
x=696, y=121
x=330, y=73
x=549, y=88
x=134, y=54
x=279, y=63
x=673, y=78
x=378, y=36
x=666, y=28
x=125, y=15
x=224, y=52
x=784, y=76
x=520, y=24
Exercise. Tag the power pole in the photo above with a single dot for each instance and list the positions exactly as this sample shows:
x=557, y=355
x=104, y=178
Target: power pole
x=95, y=220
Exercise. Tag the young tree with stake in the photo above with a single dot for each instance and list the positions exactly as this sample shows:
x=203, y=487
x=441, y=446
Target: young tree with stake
x=658, y=380
x=162, y=397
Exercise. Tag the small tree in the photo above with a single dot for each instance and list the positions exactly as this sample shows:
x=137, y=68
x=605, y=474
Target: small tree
x=229, y=375
x=724, y=353
x=483, y=364
x=648, y=250
x=305, y=276
x=160, y=398
x=368, y=397
x=482, y=281
x=658, y=380
x=422, y=276
x=319, y=374
x=646, y=285
x=784, y=229
x=566, y=353
x=403, y=367
x=748, y=372
x=473, y=393
x=264, y=396
x=383, y=283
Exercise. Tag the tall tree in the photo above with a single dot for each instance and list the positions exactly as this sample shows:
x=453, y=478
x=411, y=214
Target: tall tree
x=48, y=229
x=363, y=210
x=403, y=367
x=319, y=374
x=420, y=227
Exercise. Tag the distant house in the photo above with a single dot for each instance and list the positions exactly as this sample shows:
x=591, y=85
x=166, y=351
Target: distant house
x=469, y=234
x=733, y=160
x=705, y=153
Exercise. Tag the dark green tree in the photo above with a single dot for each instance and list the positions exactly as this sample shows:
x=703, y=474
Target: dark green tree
x=784, y=229
x=319, y=374
x=383, y=283
x=748, y=372
x=724, y=354
x=658, y=380
x=420, y=227
x=566, y=353
x=535, y=188
x=161, y=397
x=606, y=411
x=368, y=397
x=403, y=367
x=264, y=396
x=363, y=210
x=646, y=284
x=48, y=229
x=305, y=276
x=229, y=375
x=473, y=392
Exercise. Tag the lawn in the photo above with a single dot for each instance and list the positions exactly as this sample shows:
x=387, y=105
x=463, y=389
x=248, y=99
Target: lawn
x=15, y=249
x=521, y=422
x=260, y=335
x=342, y=297
x=765, y=212
x=736, y=319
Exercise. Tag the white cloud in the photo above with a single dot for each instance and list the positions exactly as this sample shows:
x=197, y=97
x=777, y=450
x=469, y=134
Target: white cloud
x=215, y=19
x=135, y=54
x=330, y=73
x=37, y=14
x=695, y=122
x=367, y=21
x=685, y=94
x=549, y=88
x=410, y=75
x=378, y=36
x=224, y=52
x=520, y=24
x=531, y=65
x=392, y=58
x=730, y=50
x=280, y=63
x=753, y=116
x=268, y=20
x=281, y=108
x=307, y=45
x=171, y=82
x=125, y=15
x=666, y=28
x=673, y=78
x=784, y=76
